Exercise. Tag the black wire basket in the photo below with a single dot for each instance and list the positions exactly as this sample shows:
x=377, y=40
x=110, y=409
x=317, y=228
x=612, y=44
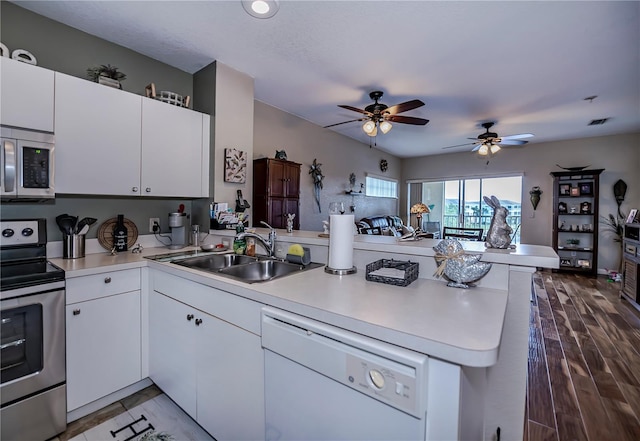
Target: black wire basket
x=410, y=270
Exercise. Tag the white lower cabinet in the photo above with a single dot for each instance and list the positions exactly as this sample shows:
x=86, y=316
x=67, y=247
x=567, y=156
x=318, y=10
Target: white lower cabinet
x=172, y=349
x=210, y=364
x=103, y=335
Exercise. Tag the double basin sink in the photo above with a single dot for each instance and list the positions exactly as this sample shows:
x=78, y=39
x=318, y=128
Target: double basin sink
x=244, y=268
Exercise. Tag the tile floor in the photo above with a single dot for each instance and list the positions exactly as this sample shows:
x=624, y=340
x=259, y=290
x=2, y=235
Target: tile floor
x=158, y=410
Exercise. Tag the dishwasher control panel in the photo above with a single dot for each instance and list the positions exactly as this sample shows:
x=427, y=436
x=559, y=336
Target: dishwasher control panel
x=390, y=383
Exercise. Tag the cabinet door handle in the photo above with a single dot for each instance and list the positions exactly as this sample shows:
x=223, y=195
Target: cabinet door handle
x=107, y=280
x=134, y=189
x=148, y=189
x=76, y=312
x=189, y=317
x=198, y=321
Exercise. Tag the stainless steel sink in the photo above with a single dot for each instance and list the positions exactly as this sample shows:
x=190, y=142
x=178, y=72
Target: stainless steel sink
x=216, y=261
x=263, y=270
x=244, y=268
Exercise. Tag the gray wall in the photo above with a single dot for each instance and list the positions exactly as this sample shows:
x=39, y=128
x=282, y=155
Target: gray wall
x=64, y=49
x=339, y=156
x=618, y=155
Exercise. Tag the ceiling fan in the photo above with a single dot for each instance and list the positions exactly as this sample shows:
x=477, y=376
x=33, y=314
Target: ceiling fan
x=380, y=116
x=490, y=143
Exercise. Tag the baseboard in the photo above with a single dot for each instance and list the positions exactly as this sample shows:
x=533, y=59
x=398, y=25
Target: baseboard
x=109, y=399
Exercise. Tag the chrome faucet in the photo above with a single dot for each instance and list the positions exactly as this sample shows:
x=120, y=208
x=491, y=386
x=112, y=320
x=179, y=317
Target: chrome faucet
x=268, y=244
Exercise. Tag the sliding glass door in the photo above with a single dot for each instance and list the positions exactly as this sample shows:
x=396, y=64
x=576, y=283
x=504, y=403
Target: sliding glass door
x=459, y=202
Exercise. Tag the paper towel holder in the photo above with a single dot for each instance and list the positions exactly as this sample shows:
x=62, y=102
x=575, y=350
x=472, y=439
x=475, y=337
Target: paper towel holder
x=340, y=272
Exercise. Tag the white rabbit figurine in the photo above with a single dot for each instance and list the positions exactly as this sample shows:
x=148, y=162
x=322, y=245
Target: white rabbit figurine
x=499, y=235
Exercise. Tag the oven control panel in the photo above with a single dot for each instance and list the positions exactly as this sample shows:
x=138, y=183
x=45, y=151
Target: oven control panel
x=20, y=232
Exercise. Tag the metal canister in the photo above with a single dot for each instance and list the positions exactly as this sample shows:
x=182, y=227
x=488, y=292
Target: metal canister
x=195, y=235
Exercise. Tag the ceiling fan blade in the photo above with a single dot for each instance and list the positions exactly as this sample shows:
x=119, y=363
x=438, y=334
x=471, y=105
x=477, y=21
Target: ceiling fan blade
x=345, y=122
x=406, y=120
x=458, y=145
x=403, y=107
x=512, y=142
x=476, y=148
x=355, y=109
x=520, y=136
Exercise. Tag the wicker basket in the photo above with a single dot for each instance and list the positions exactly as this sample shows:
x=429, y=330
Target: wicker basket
x=410, y=271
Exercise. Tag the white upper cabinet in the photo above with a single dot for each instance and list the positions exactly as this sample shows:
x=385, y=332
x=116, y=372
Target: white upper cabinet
x=175, y=150
x=111, y=142
x=98, y=136
x=27, y=95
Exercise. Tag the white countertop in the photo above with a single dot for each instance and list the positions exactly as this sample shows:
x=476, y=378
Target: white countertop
x=523, y=254
x=458, y=325
x=462, y=326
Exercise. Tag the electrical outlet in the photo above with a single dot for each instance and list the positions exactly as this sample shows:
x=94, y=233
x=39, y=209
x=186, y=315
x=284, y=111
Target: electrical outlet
x=153, y=221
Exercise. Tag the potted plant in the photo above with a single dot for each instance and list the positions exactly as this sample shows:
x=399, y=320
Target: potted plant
x=107, y=75
x=615, y=224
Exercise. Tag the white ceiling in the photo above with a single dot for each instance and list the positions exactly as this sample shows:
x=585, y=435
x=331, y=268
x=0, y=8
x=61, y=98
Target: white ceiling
x=528, y=65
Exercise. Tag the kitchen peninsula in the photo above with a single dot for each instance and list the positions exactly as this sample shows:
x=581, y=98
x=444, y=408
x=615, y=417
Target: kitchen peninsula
x=476, y=339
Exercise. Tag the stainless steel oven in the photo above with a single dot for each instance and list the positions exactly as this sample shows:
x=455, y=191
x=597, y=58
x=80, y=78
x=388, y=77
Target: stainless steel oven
x=32, y=334
x=26, y=165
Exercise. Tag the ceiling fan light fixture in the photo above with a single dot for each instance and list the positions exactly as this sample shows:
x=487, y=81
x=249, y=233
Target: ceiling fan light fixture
x=370, y=128
x=495, y=148
x=261, y=8
x=385, y=126
x=483, y=150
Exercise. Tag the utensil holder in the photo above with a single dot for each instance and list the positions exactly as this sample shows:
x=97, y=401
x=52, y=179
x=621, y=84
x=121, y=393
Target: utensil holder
x=73, y=246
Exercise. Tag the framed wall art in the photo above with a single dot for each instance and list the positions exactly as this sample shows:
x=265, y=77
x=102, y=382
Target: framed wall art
x=562, y=207
x=586, y=188
x=566, y=261
x=583, y=263
x=235, y=166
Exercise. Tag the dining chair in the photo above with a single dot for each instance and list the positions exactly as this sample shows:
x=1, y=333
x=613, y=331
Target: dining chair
x=462, y=233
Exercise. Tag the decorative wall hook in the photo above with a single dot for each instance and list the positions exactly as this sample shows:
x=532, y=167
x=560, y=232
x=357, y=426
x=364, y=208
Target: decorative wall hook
x=535, y=196
x=619, y=191
x=317, y=176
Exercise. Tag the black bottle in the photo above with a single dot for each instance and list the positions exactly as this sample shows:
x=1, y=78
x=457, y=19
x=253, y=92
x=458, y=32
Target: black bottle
x=120, y=234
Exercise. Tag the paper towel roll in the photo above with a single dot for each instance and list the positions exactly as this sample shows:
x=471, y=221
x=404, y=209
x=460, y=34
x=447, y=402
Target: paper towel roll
x=341, y=241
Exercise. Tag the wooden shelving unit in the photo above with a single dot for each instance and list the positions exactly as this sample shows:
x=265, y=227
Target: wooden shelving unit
x=575, y=220
x=276, y=192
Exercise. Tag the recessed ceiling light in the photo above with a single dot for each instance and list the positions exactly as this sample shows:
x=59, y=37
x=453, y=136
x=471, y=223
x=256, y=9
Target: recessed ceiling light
x=261, y=8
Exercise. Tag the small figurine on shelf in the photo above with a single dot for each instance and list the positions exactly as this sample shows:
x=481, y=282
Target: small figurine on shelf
x=290, y=218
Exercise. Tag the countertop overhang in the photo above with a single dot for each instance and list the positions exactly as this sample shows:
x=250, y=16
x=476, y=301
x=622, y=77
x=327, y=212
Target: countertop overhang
x=462, y=326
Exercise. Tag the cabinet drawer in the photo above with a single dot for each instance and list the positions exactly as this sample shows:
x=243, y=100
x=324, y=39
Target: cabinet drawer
x=229, y=307
x=630, y=249
x=81, y=289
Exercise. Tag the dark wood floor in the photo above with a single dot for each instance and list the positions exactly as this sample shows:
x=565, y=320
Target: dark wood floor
x=584, y=361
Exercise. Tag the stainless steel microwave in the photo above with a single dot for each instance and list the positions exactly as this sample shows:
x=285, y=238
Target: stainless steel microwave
x=26, y=164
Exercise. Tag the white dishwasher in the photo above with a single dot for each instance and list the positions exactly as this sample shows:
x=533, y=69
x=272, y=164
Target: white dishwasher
x=325, y=383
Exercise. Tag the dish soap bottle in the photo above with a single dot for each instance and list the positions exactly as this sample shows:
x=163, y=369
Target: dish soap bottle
x=120, y=234
x=239, y=245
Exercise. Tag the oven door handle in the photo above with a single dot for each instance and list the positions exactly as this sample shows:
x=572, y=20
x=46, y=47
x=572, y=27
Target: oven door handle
x=9, y=164
x=13, y=343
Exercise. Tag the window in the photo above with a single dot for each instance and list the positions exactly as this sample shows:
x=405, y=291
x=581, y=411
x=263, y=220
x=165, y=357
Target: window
x=381, y=187
x=459, y=202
